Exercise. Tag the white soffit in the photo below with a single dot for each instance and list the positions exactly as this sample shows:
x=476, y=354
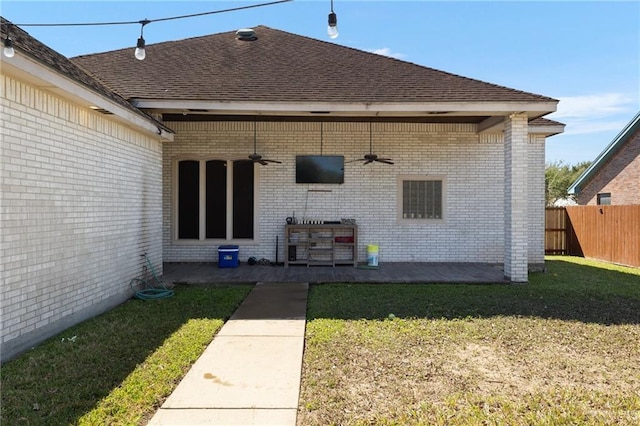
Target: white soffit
x=350, y=109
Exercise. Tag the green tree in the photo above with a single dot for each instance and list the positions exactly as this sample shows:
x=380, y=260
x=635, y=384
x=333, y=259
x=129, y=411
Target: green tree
x=558, y=177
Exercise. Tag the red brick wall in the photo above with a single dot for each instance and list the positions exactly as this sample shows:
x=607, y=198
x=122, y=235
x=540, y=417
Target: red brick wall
x=620, y=176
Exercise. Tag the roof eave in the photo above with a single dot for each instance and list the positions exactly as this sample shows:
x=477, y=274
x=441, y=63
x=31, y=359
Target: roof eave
x=25, y=68
x=493, y=108
x=548, y=130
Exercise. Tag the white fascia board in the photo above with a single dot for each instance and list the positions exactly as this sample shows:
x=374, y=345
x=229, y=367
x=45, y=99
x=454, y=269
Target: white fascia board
x=32, y=72
x=495, y=124
x=550, y=130
x=365, y=108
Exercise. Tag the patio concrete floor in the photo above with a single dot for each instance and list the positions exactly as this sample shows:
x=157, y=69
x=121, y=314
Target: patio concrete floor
x=392, y=272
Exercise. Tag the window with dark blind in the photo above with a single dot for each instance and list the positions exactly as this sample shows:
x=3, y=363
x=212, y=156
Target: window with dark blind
x=216, y=199
x=188, y=199
x=204, y=208
x=243, y=199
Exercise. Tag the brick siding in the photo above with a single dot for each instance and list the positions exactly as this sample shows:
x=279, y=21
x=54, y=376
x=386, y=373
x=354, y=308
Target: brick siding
x=81, y=200
x=619, y=176
x=516, y=197
x=536, y=206
x=472, y=164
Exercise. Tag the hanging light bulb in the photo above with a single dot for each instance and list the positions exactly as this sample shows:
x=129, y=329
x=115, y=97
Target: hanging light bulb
x=332, y=28
x=8, y=50
x=140, y=52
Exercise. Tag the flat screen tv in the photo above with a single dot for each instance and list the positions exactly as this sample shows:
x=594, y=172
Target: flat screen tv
x=319, y=169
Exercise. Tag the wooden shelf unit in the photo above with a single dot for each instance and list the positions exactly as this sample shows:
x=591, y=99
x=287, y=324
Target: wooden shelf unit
x=321, y=245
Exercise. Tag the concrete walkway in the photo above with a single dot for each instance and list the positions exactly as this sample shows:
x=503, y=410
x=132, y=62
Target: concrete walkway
x=250, y=373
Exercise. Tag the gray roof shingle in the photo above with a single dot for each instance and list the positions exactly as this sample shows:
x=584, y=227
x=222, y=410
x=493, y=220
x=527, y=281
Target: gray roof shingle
x=282, y=67
x=544, y=122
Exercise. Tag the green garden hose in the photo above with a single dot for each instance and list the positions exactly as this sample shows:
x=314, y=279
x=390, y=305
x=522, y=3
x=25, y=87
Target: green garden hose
x=148, y=291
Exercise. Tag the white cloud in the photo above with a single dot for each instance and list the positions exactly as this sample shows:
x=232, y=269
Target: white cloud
x=385, y=51
x=580, y=127
x=594, y=113
x=593, y=106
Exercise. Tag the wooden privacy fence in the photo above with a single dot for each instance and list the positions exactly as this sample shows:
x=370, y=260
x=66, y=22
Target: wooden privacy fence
x=609, y=233
x=555, y=233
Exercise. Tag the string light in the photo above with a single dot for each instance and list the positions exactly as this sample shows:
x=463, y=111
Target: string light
x=332, y=28
x=8, y=50
x=140, y=52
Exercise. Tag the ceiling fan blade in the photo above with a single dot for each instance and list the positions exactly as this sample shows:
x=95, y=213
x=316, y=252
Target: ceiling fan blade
x=255, y=157
x=259, y=159
x=265, y=161
x=385, y=160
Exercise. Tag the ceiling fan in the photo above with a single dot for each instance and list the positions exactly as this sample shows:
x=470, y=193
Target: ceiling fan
x=255, y=157
x=371, y=157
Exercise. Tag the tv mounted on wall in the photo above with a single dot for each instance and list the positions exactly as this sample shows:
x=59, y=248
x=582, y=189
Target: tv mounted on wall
x=319, y=169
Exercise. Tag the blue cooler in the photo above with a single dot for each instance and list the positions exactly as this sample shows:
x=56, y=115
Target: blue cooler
x=228, y=256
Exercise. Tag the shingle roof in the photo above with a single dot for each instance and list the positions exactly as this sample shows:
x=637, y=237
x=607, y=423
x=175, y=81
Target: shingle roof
x=541, y=121
x=282, y=67
x=54, y=60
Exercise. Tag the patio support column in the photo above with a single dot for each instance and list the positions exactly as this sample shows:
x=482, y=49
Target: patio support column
x=515, y=198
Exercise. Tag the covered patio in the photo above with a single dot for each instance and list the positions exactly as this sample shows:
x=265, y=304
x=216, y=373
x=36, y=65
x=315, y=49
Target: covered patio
x=392, y=272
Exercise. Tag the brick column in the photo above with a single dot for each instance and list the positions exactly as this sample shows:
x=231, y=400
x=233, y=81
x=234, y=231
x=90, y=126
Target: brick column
x=515, y=198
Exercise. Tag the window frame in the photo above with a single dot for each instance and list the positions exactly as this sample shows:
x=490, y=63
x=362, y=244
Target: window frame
x=602, y=195
x=202, y=240
x=400, y=200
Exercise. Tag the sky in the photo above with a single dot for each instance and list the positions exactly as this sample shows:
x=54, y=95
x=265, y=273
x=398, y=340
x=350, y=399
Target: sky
x=586, y=54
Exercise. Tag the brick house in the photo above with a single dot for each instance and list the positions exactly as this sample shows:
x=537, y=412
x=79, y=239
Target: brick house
x=614, y=176
x=105, y=157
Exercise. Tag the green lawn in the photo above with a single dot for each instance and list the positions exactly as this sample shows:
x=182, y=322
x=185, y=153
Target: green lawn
x=564, y=349
x=117, y=368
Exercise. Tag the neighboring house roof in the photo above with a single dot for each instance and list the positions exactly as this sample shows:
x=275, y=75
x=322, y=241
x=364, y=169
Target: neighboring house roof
x=48, y=57
x=629, y=130
x=282, y=67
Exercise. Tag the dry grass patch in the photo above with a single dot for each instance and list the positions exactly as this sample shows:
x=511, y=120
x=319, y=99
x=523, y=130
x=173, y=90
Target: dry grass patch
x=546, y=367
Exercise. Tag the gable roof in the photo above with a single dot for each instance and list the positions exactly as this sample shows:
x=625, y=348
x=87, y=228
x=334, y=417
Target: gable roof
x=60, y=64
x=616, y=144
x=282, y=67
